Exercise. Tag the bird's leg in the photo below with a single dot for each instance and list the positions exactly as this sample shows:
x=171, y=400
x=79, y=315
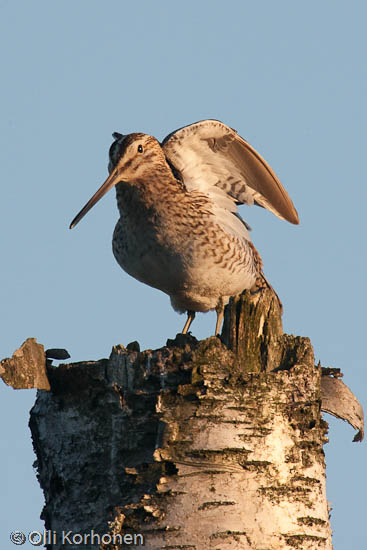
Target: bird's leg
x=220, y=314
x=190, y=318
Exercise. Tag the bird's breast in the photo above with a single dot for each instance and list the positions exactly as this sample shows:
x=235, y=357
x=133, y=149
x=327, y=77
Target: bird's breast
x=176, y=245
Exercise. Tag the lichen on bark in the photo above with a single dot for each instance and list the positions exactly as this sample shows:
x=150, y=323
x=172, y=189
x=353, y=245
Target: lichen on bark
x=193, y=445
x=211, y=444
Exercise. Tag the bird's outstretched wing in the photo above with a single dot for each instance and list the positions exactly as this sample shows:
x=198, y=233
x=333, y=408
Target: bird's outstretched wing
x=214, y=159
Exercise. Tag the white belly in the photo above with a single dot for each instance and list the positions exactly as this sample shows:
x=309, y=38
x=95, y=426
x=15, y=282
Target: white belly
x=191, y=270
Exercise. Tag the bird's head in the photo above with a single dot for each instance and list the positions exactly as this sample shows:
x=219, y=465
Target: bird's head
x=131, y=157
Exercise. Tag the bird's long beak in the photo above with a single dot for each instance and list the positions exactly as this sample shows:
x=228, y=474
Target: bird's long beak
x=112, y=179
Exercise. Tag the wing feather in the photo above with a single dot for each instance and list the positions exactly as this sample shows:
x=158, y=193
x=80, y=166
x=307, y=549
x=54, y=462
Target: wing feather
x=212, y=158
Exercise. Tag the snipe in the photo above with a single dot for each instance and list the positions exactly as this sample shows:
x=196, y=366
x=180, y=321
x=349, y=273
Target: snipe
x=179, y=229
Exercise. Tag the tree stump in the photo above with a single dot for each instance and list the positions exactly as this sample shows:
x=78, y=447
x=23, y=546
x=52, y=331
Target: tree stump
x=197, y=445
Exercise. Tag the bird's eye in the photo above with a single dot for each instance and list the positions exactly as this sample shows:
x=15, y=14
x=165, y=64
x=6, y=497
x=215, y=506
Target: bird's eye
x=140, y=148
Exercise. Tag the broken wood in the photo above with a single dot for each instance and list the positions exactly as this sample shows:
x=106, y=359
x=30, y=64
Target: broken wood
x=195, y=445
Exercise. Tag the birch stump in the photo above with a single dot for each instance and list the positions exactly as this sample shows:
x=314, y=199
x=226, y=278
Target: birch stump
x=197, y=445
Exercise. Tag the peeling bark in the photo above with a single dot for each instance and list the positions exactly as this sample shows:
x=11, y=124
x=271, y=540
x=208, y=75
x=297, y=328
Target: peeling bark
x=338, y=400
x=204, y=445
x=27, y=368
x=184, y=447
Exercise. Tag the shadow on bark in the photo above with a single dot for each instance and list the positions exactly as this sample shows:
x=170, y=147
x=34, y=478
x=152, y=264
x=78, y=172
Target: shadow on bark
x=211, y=444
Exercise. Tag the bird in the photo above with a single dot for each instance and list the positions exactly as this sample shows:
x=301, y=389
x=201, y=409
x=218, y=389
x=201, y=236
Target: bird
x=179, y=229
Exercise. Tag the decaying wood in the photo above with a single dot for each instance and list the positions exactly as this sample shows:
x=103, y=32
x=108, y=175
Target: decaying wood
x=338, y=400
x=27, y=368
x=195, y=445
x=253, y=329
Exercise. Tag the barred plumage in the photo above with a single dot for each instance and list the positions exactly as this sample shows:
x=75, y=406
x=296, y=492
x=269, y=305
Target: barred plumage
x=179, y=230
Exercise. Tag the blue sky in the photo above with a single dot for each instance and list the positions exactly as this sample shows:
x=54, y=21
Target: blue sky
x=291, y=77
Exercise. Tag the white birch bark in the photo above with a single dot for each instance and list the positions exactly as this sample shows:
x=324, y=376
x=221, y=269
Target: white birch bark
x=197, y=445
